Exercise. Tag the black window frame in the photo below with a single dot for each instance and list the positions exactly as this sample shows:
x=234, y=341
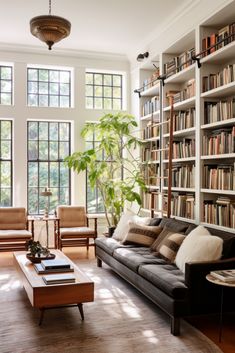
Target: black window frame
x=112, y=86
x=48, y=95
x=48, y=160
x=8, y=80
x=7, y=160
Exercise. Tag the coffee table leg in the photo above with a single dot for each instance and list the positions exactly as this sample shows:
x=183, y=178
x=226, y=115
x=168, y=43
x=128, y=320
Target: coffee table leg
x=41, y=316
x=80, y=307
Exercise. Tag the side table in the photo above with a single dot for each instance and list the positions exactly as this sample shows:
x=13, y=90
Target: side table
x=47, y=220
x=223, y=284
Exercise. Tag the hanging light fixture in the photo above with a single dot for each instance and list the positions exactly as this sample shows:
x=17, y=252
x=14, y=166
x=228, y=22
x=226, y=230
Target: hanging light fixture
x=50, y=29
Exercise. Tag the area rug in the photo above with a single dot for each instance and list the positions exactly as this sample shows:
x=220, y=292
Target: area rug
x=120, y=320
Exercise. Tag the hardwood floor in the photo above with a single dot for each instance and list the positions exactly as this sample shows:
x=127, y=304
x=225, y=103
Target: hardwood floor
x=208, y=325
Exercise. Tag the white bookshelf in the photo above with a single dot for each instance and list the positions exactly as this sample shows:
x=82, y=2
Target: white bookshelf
x=222, y=91
x=186, y=104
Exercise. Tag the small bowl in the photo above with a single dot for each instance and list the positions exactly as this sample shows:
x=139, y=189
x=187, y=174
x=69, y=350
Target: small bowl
x=38, y=259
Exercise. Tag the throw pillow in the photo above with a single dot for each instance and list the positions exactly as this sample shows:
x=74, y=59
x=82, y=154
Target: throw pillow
x=176, y=225
x=169, y=247
x=198, y=249
x=123, y=225
x=155, y=221
x=141, y=234
x=164, y=233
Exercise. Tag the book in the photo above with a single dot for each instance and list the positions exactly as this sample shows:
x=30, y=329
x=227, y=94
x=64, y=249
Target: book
x=59, y=278
x=41, y=270
x=224, y=275
x=54, y=264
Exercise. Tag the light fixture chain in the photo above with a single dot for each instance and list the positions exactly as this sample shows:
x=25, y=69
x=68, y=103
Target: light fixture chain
x=49, y=7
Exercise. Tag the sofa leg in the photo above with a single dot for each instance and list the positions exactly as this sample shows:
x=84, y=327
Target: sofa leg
x=99, y=262
x=175, y=326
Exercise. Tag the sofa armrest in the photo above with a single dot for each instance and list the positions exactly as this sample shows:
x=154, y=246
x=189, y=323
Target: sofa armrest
x=196, y=271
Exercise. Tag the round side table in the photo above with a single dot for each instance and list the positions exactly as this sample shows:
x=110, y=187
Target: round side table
x=223, y=284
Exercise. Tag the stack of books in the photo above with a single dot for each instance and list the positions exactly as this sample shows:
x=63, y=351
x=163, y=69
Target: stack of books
x=219, y=141
x=186, y=93
x=227, y=276
x=179, y=62
x=220, y=111
x=59, y=279
x=53, y=266
x=183, y=119
x=223, y=77
x=220, y=177
x=220, y=212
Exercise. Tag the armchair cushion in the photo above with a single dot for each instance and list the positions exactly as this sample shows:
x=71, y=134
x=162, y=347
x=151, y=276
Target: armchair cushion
x=13, y=218
x=5, y=234
x=76, y=231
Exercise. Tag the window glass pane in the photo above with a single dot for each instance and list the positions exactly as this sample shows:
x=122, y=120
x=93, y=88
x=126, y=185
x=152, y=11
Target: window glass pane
x=43, y=131
x=116, y=104
x=54, y=130
x=54, y=200
x=53, y=150
x=54, y=174
x=33, y=200
x=64, y=102
x=108, y=92
x=107, y=80
x=98, y=79
x=89, y=90
x=6, y=86
x=116, y=92
x=43, y=150
x=6, y=73
x=107, y=103
x=33, y=174
x=5, y=129
x=6, y=98
x=43, y=75
x=43, y=101
x=64, y=131
x=32, y=74
x=33, y=150
x=64, y=150
x=54, y=76
x=64, y=89
x=32, y=100
x=98, y=91
x=54, y=88
x=43, y=175
x=98, y=103
x=6, y=149
x=116, y=80
x=32, y=130
x=89, y=79
x=32, y=87
x=89, y=103
x=5, y=174
x=64, y=76
x=54, y=101
x=5, y=197
x=43, y=87
x=64, y=175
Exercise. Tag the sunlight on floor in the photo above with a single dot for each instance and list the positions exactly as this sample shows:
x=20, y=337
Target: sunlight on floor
x=10, y=285
x=150, y=335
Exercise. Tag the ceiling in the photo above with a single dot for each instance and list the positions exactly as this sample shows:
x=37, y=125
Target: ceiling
x=106, y=26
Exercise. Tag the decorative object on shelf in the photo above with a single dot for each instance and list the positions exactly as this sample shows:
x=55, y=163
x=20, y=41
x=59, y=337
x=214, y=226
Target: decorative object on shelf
x=37, y=252
x=47, y=193
x=142, y=56
x=49, y=28
x=116, y=140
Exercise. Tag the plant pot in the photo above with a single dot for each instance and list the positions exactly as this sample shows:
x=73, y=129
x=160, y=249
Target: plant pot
x=111, y=231
x=38, y=259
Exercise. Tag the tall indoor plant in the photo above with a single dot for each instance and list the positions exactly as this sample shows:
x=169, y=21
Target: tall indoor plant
x=118, y=176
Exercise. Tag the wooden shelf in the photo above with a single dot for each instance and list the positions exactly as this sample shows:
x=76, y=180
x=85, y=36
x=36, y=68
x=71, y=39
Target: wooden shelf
x=219, y=123
x=222, y=91
x=217, y=191
x=182, y=76
x=152, y=91
x=221, y=55
x=219, y=156
x=187, y=103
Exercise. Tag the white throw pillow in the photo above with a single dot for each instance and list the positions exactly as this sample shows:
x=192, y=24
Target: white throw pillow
x=199, y=230
x=199, y=248
x=122, y=228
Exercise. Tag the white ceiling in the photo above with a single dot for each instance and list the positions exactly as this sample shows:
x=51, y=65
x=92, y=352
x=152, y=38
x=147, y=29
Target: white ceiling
x=107, y=26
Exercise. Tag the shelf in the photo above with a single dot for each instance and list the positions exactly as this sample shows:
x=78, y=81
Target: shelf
x=222, y=91
x=219, y=123
x=184, y=219
x=180, y=189
x=187, y=103
x=221, y=55
x=216, y=191
x=180, y=160
x=219, y=156
x=151, y=139
x=182, y=76
x=151, y=162
x=182, y=133
x=215, y=226
x=152, y=91
x=149, y=116
x=152, y=187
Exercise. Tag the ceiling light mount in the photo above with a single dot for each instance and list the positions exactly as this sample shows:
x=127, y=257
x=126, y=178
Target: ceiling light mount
x=142, y=56
x=50, y=29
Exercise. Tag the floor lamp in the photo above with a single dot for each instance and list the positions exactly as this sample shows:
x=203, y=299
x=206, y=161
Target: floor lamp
x=46, y=193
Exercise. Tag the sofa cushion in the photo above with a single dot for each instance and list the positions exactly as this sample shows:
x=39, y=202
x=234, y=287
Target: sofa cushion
x=177, y=226
x=169, y=247
x=109, y=244
x=166, y=277
x=134, y=257
x=198, y=248
x=76, y=232
x=141, y=234
x=4, y=234
x=155, y=221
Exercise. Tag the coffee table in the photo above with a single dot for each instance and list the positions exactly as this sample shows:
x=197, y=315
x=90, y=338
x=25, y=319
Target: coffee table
x=46, y=297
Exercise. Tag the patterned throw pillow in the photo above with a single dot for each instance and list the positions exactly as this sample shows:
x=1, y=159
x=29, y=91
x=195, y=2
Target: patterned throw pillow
x=141, y=234
x=169, y=247
x=164, y=233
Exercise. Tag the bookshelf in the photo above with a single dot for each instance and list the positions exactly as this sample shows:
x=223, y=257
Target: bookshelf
x=203, y=164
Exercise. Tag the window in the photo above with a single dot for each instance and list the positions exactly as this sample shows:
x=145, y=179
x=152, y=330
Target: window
x=48, y=145
x=104, y=91
x=5, y=163
x=6, y=85
x=49, y=88
x=94, y=203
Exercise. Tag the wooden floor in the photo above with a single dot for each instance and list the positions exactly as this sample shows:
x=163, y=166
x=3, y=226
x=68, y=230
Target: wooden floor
x=208, y=325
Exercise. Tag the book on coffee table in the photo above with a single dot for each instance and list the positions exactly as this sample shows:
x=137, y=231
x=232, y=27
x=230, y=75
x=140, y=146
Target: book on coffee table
x=55, y=264
x=41, y=270
x=224, y=275
x=59, y=278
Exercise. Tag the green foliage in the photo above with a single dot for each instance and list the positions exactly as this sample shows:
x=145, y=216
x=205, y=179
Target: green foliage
x=117, y=142
x=36, y=249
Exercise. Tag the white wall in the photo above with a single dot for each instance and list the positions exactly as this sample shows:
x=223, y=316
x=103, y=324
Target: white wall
x=20, y=113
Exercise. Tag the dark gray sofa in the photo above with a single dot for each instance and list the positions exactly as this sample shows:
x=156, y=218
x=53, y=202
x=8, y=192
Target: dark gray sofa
x=178, y=294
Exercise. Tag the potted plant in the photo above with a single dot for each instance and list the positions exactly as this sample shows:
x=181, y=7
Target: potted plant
x=37, y=252
x=118, y=175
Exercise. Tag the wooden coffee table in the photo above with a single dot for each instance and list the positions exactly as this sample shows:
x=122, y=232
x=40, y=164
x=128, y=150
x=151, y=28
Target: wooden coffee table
x=44, y=296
